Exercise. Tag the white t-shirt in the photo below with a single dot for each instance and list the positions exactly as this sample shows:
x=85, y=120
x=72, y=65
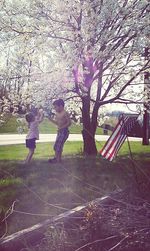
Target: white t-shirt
x=33, y=130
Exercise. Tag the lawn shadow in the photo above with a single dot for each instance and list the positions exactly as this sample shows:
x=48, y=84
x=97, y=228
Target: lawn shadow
x=42, y=190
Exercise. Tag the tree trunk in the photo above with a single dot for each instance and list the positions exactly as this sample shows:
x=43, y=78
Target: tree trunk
x=88, y=133
x=89, y=143
x=146, y=105
x=146, y=128
x=90, y=124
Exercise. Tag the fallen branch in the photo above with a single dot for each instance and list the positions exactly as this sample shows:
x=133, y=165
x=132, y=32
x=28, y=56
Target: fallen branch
x=96, y=241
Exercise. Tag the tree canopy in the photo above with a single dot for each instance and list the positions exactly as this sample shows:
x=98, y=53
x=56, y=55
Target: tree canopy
x=89, y=51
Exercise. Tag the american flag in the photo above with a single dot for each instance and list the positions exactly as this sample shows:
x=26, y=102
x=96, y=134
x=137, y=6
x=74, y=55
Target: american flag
x=119, y=135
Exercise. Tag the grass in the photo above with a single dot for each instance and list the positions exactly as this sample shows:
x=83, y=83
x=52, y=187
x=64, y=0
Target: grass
x=46, y=126
x=42, y=190
x=10, y=126
x=44, y=150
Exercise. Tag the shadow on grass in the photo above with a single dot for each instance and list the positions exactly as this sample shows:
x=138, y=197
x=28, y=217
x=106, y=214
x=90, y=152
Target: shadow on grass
x=42, y=190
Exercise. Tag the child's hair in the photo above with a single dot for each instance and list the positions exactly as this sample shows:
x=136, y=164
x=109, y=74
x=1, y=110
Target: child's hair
x=34, y=111
x=59, y=102
x=30, y=117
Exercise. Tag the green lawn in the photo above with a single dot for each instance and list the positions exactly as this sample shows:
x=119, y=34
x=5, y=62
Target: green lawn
x=45, y=127
x=43, y=150
x=41, y=190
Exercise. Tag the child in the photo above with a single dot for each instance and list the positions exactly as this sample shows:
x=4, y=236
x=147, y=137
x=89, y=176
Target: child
x=63, y=121
x=33, y=133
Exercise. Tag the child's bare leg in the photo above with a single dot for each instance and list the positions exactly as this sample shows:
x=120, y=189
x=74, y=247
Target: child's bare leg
x=58, y=156
x=29, y=156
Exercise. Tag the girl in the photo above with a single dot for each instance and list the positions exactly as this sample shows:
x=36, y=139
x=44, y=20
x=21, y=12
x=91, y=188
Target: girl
x=33, y=133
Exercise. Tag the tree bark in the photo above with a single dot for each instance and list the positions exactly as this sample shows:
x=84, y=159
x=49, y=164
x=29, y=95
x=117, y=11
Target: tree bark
x=146, y=105
x=89, y=144
x=90, y=124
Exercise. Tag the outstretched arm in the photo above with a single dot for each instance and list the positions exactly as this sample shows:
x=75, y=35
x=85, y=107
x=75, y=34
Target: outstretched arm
x=40, y=116
x=53, y=121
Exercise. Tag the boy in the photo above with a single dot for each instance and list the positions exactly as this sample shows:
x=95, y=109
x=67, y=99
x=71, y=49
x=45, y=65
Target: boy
x=33, y=133
x=63, y=121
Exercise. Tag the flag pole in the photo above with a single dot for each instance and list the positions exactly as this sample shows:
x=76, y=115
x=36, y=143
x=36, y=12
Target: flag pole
x=131, y=157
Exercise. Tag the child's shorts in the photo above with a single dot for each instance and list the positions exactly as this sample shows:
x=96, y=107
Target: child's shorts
x=62, y=136
x=31, y=143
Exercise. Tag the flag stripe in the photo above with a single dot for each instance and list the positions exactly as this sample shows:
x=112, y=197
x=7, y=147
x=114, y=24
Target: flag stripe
x=120, y=140
x=112, y=141
x=116, y=150
x=118, y=137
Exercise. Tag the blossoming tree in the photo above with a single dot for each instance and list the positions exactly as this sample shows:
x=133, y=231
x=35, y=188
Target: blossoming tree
x=94, y=49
